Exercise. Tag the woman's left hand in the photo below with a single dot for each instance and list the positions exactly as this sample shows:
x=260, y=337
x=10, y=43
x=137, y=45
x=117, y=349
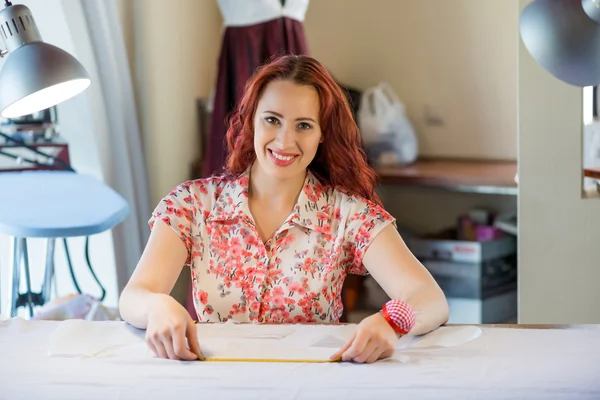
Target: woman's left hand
x=372, y=340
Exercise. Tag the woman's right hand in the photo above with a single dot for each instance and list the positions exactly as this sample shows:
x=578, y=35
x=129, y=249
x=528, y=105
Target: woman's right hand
x=169, y=325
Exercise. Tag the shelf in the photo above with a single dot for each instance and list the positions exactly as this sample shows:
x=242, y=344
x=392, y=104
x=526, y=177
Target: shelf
x=489, y=177
x=592, y=173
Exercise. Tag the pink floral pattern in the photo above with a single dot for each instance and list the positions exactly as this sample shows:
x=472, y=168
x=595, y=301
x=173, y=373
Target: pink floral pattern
x=296, y=276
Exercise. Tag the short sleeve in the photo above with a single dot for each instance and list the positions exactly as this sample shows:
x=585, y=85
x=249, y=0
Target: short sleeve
x=364, y=222
x=178, y=210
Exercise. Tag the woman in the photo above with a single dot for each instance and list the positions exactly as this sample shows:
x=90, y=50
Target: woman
x=272, y=239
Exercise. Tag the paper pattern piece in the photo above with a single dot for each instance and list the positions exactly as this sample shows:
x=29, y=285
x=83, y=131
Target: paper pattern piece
x=236, y=342
x=76, y=337
x=281, y=343
x=447, y=336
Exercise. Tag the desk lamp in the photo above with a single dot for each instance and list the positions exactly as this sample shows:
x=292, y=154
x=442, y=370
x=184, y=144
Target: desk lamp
x=35, y=75
x=563, y=36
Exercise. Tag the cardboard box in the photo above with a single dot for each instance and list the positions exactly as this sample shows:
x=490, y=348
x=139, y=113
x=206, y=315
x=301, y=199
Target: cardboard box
x=475, y=281
x=447, y=249
x=500, y=309
x=479, y=279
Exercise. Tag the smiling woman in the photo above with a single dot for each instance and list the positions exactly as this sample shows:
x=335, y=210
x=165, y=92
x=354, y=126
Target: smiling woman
x=272, y=239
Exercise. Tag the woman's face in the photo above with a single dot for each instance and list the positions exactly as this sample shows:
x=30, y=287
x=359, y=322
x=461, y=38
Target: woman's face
x=286, y=128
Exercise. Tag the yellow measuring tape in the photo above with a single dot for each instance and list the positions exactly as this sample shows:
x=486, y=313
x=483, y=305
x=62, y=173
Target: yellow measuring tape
x=217, y=359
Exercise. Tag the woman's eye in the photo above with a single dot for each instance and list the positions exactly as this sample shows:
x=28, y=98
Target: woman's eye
x=304, y=126
x=272, y=120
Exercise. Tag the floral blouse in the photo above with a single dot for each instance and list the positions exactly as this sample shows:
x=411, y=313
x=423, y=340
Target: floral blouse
x=296, y=276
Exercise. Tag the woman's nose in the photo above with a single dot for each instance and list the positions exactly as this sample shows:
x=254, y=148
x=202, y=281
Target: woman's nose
x=285, y=136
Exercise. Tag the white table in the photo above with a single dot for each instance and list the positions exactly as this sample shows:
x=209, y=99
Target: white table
x=503, y=363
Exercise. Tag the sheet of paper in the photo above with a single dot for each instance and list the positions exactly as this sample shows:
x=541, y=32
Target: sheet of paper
x=231, y=341
x=447, y=336
x=232, y=330
x=76, y=337
x=217, y=341
x=271, y=342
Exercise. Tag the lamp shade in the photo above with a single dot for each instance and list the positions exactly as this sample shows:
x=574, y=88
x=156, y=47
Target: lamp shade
x=564, y=38
x=38, y=76
x=35, y=75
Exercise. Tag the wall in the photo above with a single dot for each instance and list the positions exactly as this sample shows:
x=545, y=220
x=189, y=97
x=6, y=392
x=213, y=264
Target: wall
x=559, y=280
x=457, y=57
x=173, y=53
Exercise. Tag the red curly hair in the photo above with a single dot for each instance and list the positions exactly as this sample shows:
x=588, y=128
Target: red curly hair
x=340, y=160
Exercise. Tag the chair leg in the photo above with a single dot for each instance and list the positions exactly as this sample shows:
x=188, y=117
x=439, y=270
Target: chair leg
x=49, y=272
x=27, y=278
x=16, y=275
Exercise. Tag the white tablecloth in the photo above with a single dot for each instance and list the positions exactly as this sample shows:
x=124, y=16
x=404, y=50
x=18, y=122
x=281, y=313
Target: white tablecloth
x=500, y=364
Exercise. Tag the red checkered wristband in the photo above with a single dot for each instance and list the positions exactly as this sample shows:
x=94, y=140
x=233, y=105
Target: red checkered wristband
x=400, y=315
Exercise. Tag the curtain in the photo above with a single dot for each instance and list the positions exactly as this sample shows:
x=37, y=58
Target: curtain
x=122, y=159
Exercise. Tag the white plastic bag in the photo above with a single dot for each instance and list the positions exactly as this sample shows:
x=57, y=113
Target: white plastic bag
x=386, y=130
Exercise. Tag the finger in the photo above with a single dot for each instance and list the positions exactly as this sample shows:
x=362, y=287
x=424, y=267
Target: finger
x=160, y=349
x=192, y=338
x=167, y=342
x=358, y=345
x=180, y=346
x=152, y=347
x=338, y=354
x=367, y=350
x=374, y=356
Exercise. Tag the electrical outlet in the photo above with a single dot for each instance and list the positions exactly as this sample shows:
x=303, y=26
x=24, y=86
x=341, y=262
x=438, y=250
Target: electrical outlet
x=433, y=117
